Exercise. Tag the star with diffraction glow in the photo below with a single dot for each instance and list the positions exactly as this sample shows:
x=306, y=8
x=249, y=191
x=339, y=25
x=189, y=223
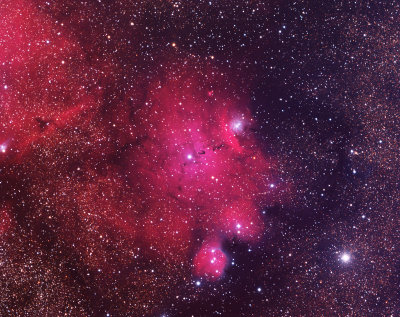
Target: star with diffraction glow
x=345, y=257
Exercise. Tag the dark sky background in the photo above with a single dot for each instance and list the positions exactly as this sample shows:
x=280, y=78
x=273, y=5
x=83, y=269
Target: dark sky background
x=106, y=208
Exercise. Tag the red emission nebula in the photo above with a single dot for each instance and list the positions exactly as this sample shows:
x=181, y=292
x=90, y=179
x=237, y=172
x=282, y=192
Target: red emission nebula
x=199, y=170
x=169, y=180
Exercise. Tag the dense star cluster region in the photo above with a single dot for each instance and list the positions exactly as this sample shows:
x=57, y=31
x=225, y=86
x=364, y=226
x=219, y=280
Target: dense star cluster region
x=199, y=158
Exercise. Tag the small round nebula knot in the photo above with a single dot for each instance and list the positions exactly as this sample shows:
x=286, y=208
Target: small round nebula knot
x=210, y=261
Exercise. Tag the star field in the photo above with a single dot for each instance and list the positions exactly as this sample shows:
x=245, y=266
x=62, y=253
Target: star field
x=199, y=158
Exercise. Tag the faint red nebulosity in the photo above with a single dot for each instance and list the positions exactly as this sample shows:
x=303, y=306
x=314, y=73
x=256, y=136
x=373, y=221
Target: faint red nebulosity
x=5, y=221
x=42, y=90
x=242, y=220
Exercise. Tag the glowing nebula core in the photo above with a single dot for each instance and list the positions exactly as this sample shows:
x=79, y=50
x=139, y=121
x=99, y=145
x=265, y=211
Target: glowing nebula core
x=199, y=174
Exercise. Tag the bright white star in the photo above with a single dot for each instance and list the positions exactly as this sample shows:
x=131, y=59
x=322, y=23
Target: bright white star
x=345, y=257
x=3, y=148
x=237, y=126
